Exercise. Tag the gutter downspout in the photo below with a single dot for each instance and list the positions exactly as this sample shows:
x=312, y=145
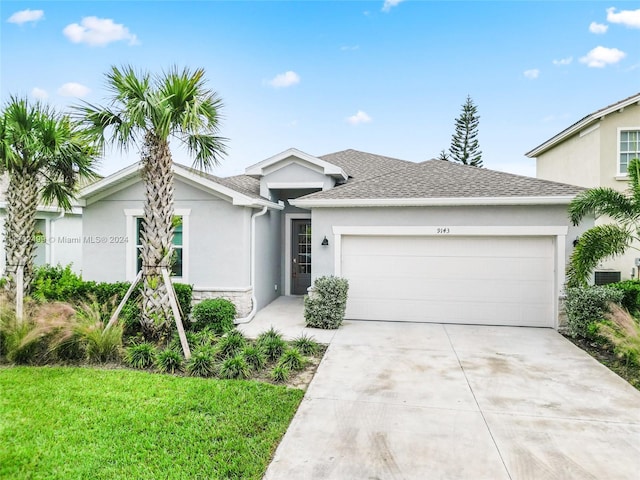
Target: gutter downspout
x=254, y=302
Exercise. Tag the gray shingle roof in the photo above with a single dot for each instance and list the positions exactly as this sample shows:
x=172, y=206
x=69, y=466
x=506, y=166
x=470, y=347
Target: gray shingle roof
x=443, y=179
x=360, y=165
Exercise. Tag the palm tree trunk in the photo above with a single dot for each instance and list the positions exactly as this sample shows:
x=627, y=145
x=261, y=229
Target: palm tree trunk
x=157, y=236
x=20, y=226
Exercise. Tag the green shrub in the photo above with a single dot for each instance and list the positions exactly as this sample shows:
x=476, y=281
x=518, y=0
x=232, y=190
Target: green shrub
x=292, y=359
x=215, y=313
x=231, y=344
x=202, y=362
x=254, y=357
x=280, y=373
x=326, y=306
x=62, y=284
x=141, y=355
x=59, y=284
x=272, y=347
x=169, y=361
x=631, y=290
x=586, y=305
x=306, y=345
x=234, y=367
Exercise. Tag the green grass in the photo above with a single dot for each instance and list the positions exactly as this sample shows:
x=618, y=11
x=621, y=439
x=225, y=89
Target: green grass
x=76, y=423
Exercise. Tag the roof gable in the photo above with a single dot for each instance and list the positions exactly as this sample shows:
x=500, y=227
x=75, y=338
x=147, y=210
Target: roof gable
x=238, y=192
x=292, y=155
x=584, y=122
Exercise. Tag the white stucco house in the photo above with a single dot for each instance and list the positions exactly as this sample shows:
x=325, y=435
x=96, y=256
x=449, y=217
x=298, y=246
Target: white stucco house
x=429, y=242
x=595, y=152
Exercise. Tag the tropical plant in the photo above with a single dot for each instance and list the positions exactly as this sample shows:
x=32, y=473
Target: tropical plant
x=326, y=307
x=585, y=306
x=234, y=367
x=607, y=240
x=271, y=343
x=292, y=359
x=146, y=111
x=280, y=373
x=202, y=362
x=231, y=344
x=622, y=332
x=465, y=147
x=254, y=356
x=169, y=361
x=306, y=345
x=141, y=355
x=44, y=154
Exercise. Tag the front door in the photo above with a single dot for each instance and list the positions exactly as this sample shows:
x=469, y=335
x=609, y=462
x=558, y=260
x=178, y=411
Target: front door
x=300, y=256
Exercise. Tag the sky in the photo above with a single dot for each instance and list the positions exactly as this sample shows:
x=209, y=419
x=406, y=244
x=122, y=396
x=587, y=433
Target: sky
x=386, y=76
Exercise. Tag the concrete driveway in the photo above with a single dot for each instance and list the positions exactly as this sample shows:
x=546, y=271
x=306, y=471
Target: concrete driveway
x=430, y=401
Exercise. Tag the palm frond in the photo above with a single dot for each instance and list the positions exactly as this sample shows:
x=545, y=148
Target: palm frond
x=603, y=201
x=633, y=171
x=596, y=244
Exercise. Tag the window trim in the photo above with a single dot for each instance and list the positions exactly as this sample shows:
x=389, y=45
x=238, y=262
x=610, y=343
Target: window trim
x=618, y=152
x=131, y=214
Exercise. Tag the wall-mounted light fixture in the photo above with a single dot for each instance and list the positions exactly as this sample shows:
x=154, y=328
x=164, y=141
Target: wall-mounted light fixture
x=575, y=242
x=325, y=242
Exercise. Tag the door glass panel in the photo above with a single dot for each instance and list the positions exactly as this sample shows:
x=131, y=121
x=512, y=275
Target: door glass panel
x=304, y=248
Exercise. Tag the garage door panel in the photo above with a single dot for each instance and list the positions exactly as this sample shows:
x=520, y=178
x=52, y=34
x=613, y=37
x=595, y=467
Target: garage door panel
x=362, y=288
x=480, y=313
x=478, y=280
x=446, y=267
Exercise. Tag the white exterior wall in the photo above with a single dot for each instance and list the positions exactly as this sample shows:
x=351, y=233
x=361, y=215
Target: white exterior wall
x=216, y=239
x=268, y=281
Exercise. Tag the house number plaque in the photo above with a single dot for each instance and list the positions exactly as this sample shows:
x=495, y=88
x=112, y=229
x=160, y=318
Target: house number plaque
x=443, y=230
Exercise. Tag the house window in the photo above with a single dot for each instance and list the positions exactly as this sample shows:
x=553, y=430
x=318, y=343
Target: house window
x=178, y=246
x=629, y=148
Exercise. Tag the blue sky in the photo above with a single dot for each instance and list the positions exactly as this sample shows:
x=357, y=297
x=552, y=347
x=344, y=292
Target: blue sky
x=384, y=77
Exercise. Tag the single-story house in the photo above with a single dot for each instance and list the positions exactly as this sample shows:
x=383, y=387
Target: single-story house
x=427, y=242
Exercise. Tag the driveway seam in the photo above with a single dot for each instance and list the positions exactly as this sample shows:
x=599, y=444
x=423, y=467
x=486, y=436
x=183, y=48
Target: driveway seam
x=478, y=405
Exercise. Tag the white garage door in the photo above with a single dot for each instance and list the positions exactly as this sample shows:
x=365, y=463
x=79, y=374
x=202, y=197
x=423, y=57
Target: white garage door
x=471, y=280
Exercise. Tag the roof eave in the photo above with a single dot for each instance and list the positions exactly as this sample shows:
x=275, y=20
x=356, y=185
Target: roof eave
x=581, y=124
x=431, y=202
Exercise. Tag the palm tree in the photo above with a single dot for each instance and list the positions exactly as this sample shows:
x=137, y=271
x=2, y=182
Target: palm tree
x=44, y=154
x=147, y=112
x=608, y=240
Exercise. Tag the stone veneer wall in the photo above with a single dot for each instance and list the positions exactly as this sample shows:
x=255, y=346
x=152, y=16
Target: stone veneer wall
x=241, y=298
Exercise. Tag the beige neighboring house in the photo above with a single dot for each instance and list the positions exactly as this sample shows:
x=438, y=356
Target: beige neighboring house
x=595, y=152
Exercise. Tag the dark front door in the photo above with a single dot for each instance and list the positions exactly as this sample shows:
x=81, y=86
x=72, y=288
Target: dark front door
x=300, y=256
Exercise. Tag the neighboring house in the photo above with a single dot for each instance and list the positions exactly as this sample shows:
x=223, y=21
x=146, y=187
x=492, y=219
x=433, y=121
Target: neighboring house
x=595, y=152
x=435, y=241
x=56, y=234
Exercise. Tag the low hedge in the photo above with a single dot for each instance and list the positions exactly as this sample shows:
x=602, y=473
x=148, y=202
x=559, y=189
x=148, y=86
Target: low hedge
x=631, y=294
x=57, y=283
x=586, y=306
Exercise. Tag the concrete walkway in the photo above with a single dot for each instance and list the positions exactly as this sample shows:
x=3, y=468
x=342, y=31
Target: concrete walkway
x=431, y=401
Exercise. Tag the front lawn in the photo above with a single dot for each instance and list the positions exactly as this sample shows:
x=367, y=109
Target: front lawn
x=73, y=423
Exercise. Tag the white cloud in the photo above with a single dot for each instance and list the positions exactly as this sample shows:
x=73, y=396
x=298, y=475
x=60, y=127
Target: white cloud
x=600, y=57
x=286, y=79
x=73, y=89
x=96, y=31
x=389, y=4
x=628, y=18
x=598, y=28
x=358, y=118
x=563, y=61
x=24, y=16
x=532, y=74
x=39, y=93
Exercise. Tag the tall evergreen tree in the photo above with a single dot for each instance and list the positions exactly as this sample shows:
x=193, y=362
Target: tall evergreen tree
x=464, y=142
